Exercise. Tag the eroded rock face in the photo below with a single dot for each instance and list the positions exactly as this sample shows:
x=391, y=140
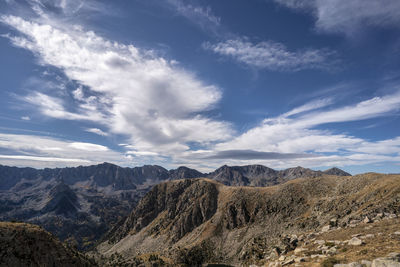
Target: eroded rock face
x=29, y=245
x=185, y=204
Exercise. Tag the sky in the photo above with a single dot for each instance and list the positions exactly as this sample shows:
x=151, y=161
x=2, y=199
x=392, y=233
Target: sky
x=201, y=83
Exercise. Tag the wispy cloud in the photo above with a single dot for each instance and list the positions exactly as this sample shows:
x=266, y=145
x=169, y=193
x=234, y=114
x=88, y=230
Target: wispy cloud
x=313, y=105
x=347, y=17
x=128, y=90
x=43, y=151
x=245, y=154
x=274, y=56
x=199, y=15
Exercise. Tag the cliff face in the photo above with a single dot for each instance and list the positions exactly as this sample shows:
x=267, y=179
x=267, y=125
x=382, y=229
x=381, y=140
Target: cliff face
x=29, y=245
x=224, y=223
x=174, y=207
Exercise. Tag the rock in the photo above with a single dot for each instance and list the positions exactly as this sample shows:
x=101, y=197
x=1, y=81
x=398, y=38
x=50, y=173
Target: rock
x=392, y=216
x=318, y=256
x=366, y=220
x=394, y=256
x=299, y=250
x=396, y=233
x=319, y=242
x=332, y=251
x=301, y=259
x=384, y=262
x=351, y=264
x=282, y=258
x=355, y=242
x=369, y=236
x=366, y=263
x=326, y=228
x=290, y=261
x=333, y=222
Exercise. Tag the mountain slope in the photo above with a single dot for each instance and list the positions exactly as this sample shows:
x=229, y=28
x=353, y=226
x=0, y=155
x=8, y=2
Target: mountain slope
x=29, y=245
x=246, y=217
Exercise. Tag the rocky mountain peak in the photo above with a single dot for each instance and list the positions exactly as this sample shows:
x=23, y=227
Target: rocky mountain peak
x=337, y=172
x=62, y=200
x=183, y=172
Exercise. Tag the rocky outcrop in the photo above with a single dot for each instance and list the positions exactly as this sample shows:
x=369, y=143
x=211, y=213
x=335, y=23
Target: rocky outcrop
x=29, y=245
x=184, y=172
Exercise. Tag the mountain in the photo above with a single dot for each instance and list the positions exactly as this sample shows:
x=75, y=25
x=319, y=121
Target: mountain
x=336, y=171
x=79, y=205
x=258, y=175
x=184, y=172
x=29, y=245
x=76, y=204
x=62, y=200
x=197, y=221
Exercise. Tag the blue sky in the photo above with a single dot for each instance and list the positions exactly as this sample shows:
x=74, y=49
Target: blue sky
x=201, y=83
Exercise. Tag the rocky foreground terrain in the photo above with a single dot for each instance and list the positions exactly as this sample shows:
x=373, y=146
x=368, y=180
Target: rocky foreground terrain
x=24, y=244
x=320, y=221
x=79, y=205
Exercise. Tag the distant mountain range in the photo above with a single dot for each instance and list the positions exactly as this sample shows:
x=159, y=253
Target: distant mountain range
x=80, y=204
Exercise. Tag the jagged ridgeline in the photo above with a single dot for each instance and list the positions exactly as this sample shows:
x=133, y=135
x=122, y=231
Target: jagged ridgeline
x=79, y=205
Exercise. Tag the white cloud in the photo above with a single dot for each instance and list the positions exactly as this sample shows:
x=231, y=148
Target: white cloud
x=349, y=16
x=298, y=135
x=128, y=90
x=45, y=159
x=320, y=103
x=26, y=118
x=88, y=147
x=273, y=56
x=41, y=151
x=96, y=131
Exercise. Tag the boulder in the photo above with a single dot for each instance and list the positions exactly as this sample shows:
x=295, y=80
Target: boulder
x=355, y=242
x=326, y=228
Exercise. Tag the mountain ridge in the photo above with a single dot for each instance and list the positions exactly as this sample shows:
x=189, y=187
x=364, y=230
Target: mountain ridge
x=248, y=223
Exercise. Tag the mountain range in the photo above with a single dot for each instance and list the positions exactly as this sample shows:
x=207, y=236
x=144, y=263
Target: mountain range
x=80, y=204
